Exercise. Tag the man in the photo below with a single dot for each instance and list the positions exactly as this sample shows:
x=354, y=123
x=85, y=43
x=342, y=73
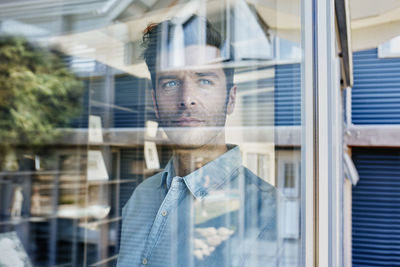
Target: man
x=205, y=208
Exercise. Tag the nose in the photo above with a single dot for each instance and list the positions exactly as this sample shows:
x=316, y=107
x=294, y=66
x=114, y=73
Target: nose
x=187, y=97
x=187, y=103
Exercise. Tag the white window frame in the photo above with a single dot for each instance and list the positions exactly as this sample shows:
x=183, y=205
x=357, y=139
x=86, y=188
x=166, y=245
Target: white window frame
x=321, y=145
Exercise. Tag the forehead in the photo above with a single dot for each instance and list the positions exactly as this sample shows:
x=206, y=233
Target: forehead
x=198, y=55
x=189, y=57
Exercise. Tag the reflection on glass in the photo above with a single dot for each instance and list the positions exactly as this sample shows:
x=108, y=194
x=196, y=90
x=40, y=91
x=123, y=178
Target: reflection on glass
x=289, y=175
x=166, y=149
x=38, y=95
x=390, y=48
x=205, y=207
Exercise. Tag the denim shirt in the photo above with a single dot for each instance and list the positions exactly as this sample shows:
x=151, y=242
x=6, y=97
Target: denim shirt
x=219, y=215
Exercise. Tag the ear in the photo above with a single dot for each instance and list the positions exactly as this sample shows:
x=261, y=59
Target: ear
x=231, y=100
x=153, y=96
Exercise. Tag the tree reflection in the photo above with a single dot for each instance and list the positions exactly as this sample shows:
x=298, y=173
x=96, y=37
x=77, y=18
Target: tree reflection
x=38, y=95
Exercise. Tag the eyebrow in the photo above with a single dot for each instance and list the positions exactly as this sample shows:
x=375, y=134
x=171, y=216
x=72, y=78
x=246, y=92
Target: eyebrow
x=164, y=77
x=202, y=74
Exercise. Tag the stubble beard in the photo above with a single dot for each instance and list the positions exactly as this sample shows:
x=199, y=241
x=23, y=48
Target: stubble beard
x=193, y=137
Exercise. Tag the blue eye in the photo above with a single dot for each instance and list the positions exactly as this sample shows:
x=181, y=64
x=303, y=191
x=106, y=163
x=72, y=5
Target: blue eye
x=171, y=84
x=205, y=82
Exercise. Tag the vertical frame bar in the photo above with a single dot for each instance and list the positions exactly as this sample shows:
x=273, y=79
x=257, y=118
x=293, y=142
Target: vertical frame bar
x=322, y=73
x=307, y=136
x=336, y=162
x=336, y=117
x=327, y=143
x=321, y=137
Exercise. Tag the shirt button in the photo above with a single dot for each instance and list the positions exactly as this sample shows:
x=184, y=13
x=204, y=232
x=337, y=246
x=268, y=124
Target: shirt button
x=164, y=213
x=144, y=261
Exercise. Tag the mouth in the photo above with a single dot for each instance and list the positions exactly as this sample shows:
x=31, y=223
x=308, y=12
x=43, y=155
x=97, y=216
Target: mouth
x=187, y=122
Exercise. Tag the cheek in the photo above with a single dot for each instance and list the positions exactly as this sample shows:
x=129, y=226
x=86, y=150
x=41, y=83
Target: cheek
x=215, y=108
x=166, y=105
x=217, y=100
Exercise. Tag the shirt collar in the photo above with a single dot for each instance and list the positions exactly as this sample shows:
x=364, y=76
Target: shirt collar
x=168, y=175
x=211, y=176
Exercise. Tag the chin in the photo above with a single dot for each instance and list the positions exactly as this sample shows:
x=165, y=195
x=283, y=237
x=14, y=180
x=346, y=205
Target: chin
x=193, y=137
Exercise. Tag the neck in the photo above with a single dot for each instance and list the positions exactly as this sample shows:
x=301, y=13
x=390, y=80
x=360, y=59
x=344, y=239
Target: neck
x=188, y=160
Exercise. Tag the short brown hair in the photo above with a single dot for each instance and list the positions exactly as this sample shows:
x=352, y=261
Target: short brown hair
x=151, y=40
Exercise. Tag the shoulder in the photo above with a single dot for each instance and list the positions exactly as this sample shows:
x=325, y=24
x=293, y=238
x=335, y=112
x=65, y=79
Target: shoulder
x=149, y=185
x=253, y=183
x=144, y=191
x=261, y=201
x=151, y=182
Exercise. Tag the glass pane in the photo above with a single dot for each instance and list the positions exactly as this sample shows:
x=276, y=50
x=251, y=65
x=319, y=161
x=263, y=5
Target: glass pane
x=390, y=48
x=289, y=175
x=160, y=133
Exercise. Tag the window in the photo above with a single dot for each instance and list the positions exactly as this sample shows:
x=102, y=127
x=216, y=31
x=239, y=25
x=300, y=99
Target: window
x=165, y=137
x=287, y=50
x=390, y=49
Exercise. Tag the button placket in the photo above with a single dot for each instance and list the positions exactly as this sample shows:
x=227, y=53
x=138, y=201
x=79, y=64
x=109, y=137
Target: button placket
x=175, y=183
x=170, y=201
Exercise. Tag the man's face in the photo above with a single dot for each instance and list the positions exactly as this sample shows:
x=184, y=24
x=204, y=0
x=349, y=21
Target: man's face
x=191, y=104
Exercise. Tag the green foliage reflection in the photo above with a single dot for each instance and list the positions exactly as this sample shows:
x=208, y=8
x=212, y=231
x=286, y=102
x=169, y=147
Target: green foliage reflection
x=38, y=94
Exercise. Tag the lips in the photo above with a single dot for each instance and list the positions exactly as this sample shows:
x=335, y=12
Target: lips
x=187, y=122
